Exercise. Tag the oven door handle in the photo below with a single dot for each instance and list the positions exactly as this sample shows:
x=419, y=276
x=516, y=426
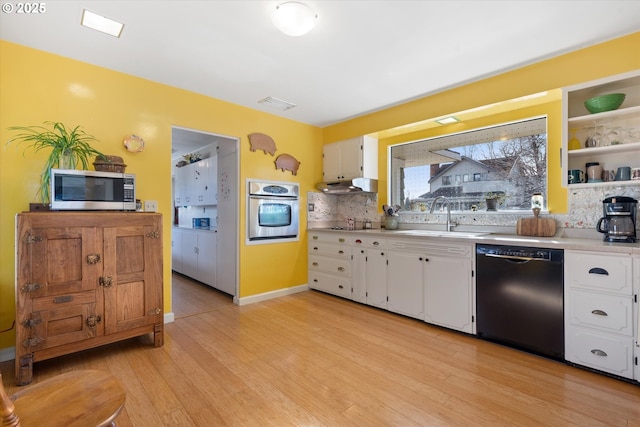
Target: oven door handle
x=259, y=197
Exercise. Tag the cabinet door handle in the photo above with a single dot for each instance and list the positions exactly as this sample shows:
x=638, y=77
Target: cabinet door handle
x=340, y=287
x=598, y=270
x=93, y=321
x=93, y=259
x=340, y=252
x=315, y=264
x=376, y=243
x=599, y=352
x=315, y=248
x=105, y=281
x=599, y=313
x=340, y=268
x=315, y=280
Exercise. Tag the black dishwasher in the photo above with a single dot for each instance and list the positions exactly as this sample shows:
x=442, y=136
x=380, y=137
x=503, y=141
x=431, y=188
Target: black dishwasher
x=520, y=298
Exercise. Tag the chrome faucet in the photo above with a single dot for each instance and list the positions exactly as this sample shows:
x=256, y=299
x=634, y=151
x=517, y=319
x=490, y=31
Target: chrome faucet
x=450, y=224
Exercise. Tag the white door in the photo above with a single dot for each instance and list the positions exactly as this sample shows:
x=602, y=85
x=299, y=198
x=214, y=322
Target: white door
x=227, y=221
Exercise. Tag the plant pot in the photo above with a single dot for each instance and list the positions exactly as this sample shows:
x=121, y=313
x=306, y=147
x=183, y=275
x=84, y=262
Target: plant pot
x=391, y=223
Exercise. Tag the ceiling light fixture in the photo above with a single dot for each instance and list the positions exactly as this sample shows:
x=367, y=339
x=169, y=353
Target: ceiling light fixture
x=276, y=103
x=102, y=24
x=447, y=120
x=294, y=18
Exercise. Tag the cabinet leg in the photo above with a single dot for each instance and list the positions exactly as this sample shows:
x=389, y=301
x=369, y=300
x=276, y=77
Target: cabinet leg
x=24, y=373
x=158, y=335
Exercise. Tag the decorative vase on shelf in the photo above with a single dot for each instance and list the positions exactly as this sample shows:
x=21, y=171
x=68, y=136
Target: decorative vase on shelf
x=391, y=222
x=574, y=143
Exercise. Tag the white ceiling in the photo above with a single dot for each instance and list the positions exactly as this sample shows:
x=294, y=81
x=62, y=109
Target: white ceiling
x=362, y=56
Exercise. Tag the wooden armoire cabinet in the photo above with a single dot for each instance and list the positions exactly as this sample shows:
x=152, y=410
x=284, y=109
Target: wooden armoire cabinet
x=85, y=279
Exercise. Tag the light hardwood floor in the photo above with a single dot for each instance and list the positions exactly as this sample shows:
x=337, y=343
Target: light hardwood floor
x=311, y=359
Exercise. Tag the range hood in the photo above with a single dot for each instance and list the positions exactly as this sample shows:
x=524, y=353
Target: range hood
x=356, y=185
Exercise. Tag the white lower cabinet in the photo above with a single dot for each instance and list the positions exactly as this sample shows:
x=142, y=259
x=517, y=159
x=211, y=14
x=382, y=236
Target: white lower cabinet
x=405, y=287
x=413, y=277
x=448, y=293
x=433, y=282
x=196, y=254
x=601, y=312
x=176, y=249
x=376, y=278
x=369, y=280
x=330, y=264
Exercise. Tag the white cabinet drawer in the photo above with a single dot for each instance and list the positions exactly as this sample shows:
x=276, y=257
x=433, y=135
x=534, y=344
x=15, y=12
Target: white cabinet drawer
x=328, y=237
x=591, y=270
x=600, y=351
x=368, y=242
x=330, y=283
x=327, y=249
x=608, y=313
x=330, y=265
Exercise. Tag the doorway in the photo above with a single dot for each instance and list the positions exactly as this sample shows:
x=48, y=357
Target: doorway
x=222, y=159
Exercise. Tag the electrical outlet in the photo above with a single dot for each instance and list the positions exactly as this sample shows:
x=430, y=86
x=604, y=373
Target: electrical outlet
x=151, y=206
x=311, y=207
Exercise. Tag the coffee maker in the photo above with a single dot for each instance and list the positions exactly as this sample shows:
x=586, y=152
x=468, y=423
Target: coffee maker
x=619, y=221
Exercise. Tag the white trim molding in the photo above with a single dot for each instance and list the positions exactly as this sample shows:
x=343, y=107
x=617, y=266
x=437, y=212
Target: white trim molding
x=270, y=295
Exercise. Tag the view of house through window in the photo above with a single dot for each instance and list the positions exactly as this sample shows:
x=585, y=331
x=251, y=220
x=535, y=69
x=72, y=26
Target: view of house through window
x=497, y=168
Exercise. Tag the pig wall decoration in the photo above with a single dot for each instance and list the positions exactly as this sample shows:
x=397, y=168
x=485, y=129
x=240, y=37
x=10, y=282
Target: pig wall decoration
x=260, y=141
x=287, y=162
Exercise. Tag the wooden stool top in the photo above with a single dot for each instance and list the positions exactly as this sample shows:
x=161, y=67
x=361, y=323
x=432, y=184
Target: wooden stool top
x=81, y=398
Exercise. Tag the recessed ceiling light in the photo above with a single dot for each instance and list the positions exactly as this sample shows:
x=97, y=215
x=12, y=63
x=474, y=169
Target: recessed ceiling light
x=447, y=120
x=276, y=103
x=102, y=24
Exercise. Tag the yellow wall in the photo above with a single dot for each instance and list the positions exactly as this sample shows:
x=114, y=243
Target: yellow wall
x=599, y=61
x=37, y=87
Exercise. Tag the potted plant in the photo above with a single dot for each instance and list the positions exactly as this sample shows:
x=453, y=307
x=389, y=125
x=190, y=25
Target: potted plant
x=493, y=200
x=69, y=148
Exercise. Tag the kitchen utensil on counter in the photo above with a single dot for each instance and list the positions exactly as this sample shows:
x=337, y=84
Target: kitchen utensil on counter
x=619, y=221
x=576, y=176
x=623, y=173
x=594, y=172
x=536, y=226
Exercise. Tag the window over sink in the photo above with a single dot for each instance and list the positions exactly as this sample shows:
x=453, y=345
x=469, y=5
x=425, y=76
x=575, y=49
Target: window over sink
x=507, y=162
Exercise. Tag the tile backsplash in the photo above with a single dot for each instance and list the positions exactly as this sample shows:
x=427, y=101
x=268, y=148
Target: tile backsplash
x=585, y=208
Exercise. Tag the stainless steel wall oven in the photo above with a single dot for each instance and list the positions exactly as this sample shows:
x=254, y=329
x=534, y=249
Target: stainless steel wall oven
x=272, y=211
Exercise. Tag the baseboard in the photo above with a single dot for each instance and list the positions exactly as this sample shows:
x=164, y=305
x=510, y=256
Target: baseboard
x=269, y=295
x=169, y=317
x=8, y=353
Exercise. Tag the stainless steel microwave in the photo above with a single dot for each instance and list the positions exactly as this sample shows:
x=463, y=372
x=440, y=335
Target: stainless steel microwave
x=92, y=190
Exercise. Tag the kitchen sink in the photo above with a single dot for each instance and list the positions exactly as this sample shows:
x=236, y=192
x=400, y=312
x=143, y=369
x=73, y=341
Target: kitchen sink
x=438, y=233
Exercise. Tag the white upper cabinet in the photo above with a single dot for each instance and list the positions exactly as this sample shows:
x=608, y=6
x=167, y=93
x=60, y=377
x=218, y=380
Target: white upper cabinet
x=616, y=132
x=196, y=183
x=351, y=158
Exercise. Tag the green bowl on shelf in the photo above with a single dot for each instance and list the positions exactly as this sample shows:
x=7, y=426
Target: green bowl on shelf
x=602, y=103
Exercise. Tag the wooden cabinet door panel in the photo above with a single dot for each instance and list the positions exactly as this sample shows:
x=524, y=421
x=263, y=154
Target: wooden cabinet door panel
x=131, y=299
x=61, y=262
x=63, y=325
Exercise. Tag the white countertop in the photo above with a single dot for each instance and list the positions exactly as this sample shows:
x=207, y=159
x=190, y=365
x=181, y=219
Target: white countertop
x=502, y=239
